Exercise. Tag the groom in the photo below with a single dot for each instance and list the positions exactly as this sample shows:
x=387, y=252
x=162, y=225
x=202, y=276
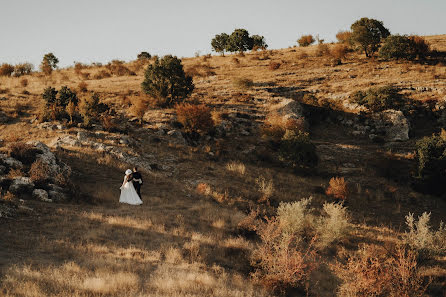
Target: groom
x=136, y=178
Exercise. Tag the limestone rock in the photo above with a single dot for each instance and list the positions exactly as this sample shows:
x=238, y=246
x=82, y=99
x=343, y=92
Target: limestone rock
x=289, y=109
x=42, y=195
x=57, y=196
x=10, y=162
x=393, y=123
x=21, y=185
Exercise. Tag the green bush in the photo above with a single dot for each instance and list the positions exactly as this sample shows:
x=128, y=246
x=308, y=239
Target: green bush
x=431, y=160
x=403, y=47
x=56, y=102
x=297, y=149
x=220, y=43
x=239, y=41
x=166, y=80
x=379, y=98
x=49, y=63
x=259, y=42
x=144, y=56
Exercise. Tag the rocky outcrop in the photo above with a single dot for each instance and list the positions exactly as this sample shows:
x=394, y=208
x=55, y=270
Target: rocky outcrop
x=10, y=162
x=21, y=185
x=288, y=108
x=393, y=123
x=42, y=195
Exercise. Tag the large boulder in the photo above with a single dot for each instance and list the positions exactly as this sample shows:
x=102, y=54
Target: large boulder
x=57, y=196
x=21, y=185
x=10, y=162
x=288, y=108
x=42, y=195
x=393, y=123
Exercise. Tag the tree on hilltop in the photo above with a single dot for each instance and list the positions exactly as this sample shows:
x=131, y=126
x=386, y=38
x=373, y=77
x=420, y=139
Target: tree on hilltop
x=367, y=35
x=259, y=42
x=240, y=41
x=220, y=42
x=49, y=63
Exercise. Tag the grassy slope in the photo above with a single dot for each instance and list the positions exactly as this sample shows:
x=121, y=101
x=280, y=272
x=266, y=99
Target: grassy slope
x=179, y=235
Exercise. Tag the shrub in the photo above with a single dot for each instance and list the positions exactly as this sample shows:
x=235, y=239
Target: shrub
x=108, y=123
x=280, y=263
x=337, y=188
x=39, y=172
x=23, y=69
x=243, y=83
x=71, y=110
x=83, y=87
x=195, y=118
x=344, y=37
x=6, y=69
x=322, y=50
x=367, y=35
x=101, y=74
x=297, y=149
x=379, y=98
x=375, y=271
x=274, y=65
x=431, y=159
x=117, y=68
x=237, y=167
x=296, y=218
x=422, y=238
x=90, y=108
x=305, y=40
x=24, y=82
x=139, y=108
x=339, y=51
x=259, y=42
x=403, y=47
x=166, y=80
x=23, y=152
x=333, y=225
x=276, y=125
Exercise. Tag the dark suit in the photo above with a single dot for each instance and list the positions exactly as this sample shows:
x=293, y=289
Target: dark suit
x=136, y=184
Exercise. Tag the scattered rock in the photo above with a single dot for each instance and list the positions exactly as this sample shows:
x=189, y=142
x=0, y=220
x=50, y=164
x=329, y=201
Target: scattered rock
x=21, y=185
x=10, y=162
x=42, y=195
x=2, y=169
x=289, y=109
x=393, y=123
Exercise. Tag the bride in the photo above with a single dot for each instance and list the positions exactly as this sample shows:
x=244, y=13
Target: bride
x=128, y=192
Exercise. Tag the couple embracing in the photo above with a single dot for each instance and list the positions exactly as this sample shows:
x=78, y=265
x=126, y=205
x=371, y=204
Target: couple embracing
x=131, y=187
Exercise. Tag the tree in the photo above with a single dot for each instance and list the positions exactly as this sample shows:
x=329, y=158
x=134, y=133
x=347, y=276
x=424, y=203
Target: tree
x=305, y=40
x=66, y=96
x=220, y=42
x=165, y=79
x=144, y=56
x=49, y=63
x=239, y=41
x=367, y=35
x=259, y=42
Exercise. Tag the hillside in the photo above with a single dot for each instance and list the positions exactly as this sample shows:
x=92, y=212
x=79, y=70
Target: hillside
x=189, y=236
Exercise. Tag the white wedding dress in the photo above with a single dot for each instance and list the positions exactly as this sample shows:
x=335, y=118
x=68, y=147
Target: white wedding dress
x=128, y=193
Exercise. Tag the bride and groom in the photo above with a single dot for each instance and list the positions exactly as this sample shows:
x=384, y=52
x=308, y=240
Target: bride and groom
x=131, y=187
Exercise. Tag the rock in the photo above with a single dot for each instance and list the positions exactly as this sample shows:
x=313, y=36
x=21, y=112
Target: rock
x=2, y=169
x=57, y=196
x=393, y=123
x=124, y=141
x=10, y=162
x=245, y=133
x=42, y=195
x=82, y=136
x=3, y=118
x=21, y=185
x=289, y=109
x=177, y=135
x=55, y=188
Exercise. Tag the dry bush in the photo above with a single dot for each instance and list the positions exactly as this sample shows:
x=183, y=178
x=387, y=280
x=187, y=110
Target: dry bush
x=39, y=172
x=419, y=45
x=276, y=126
x=78, y=68
x=235, y=61
x=322, y=50
x=375, y=271
x=339, y=51
x=266, y=187
x=139, y=107
x=344, y=37
x=333, y=225
x=26, y=153
x=83, y=87
x=24, y=82
x=23, y=69
x=195, y=118
x=243, y=83
x=6, y=69
x=117, y=68
x=421, y=237
x=101, y=74
x=274, y=65
x=203, y=189
x=8, y=196
x=108, y=123
x=14, y=173
x=236, y=167
x=281, y=260
x=337, y=188
x=305, y=40
x=199, y=70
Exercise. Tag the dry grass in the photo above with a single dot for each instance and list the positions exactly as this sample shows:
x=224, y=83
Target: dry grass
x=236, y=167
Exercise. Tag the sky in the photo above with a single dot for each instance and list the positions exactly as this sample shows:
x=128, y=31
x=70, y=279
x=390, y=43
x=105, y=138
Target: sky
x=102, y=30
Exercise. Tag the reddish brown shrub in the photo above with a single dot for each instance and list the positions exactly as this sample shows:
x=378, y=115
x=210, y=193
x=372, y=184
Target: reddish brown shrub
x=6, y=69
x=337, y=188
x=24, y=82
x=419, y=45
x=339, y=51
x=23, y=152
x=108, y=123
x=375, y=271
x=102, y=74
x=195, y=118
x=39, y=172
x=274, y=65
x=305, y=40
x=82, y=86
x=322, y=50
x=344, y=36
x=139, y=107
